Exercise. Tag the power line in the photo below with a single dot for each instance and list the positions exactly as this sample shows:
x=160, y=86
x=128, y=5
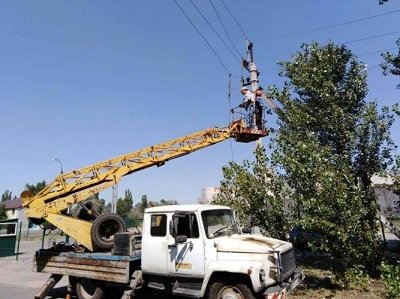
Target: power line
x=236, y=21
x=205, y=40
x=373, y=67
x=377, y=51
x=213, y=29
x=371, y=37
x=222, y=24
x=337, y=25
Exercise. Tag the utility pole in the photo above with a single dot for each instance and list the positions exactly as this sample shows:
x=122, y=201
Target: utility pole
x=250, y=65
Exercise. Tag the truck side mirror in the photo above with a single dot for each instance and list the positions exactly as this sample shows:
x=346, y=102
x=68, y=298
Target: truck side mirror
x=173, y=227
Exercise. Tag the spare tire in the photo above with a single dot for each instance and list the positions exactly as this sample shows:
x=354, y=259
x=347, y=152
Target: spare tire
x=103, y=229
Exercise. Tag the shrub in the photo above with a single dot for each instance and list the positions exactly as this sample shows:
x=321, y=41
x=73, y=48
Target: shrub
x=354, y=277
x=390, y=274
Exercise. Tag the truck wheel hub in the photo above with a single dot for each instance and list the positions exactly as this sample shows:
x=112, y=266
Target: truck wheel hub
x=230, y=293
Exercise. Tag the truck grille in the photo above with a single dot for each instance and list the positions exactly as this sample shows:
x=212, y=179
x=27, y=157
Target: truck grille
x=288, y=263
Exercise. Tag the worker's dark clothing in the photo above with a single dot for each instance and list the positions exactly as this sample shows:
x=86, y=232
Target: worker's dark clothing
x=258, y=111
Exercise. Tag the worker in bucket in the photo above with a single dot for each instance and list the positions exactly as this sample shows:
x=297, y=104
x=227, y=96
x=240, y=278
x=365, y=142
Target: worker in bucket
x=249, y=103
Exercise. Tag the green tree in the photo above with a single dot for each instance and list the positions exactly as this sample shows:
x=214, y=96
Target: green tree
x=167, y=202
x=144, y=203
x=329, y=143
x=396, y=181
x=391, y=64
x=3, y=214
x=125, y=205
x=7, y=195
x=35, y=189
x=252, y=189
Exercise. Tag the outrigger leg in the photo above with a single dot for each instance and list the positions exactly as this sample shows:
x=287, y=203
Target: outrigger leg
x=48, y=286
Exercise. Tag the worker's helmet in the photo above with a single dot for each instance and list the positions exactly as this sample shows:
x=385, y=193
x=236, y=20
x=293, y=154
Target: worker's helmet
x=243, y=88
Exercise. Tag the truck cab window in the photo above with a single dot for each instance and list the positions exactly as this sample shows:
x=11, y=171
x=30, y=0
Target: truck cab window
x=218, y=223
x=188, y=226
x=158, y=225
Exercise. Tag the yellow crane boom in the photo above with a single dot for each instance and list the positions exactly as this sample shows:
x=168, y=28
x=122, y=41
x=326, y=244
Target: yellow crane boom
x=76, y=186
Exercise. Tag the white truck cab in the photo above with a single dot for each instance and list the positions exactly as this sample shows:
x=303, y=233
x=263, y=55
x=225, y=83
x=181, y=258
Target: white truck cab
x=198, y=250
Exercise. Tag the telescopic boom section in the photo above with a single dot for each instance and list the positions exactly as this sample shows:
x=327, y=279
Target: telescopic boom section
x=78, y=185
x=70, y=188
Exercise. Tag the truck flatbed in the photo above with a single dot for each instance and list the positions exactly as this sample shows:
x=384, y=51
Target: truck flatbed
x=98, y=266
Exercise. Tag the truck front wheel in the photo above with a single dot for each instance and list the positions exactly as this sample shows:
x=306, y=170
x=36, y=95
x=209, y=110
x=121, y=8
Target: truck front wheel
x=228, y=290
x=89, y=289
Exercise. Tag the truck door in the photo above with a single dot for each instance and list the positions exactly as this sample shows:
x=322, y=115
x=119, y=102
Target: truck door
x=154, y=241
x=187, y=258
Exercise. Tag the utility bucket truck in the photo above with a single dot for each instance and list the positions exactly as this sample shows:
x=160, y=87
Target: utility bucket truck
x=188, y=250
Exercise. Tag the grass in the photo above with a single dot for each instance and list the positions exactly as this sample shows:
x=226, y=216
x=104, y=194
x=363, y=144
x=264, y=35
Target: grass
x=320, y=283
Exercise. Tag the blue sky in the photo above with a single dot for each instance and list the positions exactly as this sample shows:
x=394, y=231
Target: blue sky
x=85, y=81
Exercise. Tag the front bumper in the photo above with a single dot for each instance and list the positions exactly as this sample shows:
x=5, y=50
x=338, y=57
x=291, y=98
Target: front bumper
x=280, y=291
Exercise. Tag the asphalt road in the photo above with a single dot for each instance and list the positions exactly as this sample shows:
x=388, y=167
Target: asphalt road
x=17, y=281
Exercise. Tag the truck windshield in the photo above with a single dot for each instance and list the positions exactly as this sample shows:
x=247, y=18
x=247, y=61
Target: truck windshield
x=219, y=223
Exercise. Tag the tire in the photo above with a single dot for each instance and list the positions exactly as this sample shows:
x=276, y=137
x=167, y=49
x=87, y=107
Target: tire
x=89, y=289
x=225, y=290
x=103, y=229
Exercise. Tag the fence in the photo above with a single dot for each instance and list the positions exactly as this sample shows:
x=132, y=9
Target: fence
x=8, y=238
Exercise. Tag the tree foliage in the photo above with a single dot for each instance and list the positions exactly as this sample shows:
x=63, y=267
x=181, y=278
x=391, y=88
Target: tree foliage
x=330, y=142
x=391, y=64
x=139, y=208
x=143, y=203
x=3, y=214
x=125, y=204
x=254, y=190
x=7, y=195
x=166, y=202
x=35, y=189
x=396, y=181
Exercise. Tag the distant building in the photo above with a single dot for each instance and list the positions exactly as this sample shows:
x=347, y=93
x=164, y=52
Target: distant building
x=208, y=194
x=14, y=210
x=388, y=201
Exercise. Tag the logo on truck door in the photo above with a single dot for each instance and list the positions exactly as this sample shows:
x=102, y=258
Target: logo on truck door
x=187, y=266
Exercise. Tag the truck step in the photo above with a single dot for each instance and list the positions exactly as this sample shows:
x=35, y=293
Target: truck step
x=156, y=285
x=192, y=290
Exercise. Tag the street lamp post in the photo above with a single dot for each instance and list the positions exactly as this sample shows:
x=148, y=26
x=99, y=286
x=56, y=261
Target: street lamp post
x=61, y=166
x=61, y=171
